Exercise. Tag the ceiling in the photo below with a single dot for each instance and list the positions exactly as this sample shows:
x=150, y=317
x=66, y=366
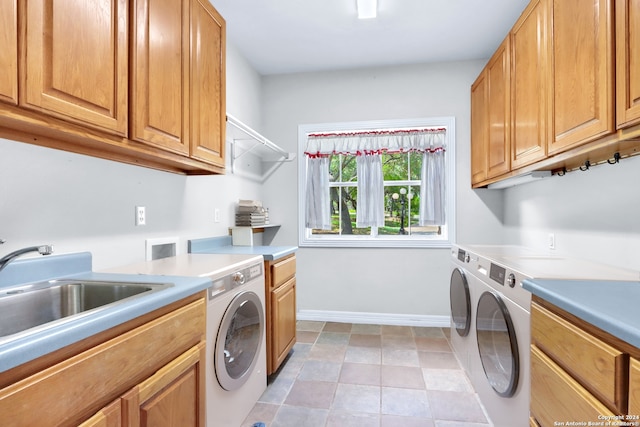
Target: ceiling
x=288, y=36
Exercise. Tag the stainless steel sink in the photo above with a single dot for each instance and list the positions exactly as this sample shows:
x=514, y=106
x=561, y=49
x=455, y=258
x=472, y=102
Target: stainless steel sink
x=26, y=307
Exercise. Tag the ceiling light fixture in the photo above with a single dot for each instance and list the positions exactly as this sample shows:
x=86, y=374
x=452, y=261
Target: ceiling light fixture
x=367, y=9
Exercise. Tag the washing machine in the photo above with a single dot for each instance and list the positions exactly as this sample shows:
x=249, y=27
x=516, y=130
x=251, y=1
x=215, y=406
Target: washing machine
x=236, y=344
x=498, y=351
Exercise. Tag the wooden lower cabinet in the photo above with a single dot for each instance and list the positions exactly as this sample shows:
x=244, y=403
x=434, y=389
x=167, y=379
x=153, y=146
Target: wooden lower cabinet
x=557, y=397
x=280, y=282
x=580, y=373
x=149, y=375
x=172, y=396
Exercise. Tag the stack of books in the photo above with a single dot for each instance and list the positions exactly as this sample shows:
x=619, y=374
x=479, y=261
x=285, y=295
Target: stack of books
x=250, y=213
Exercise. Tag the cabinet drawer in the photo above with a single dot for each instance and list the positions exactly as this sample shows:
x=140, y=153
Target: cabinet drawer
x=71, y=391
x=595, y=364
x=556, y=396
x=282, y=271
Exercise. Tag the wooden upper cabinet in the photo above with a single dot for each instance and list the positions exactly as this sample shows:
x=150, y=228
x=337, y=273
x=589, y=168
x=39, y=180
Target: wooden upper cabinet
x=528, y=86
x=208, y=108
x=9, y=51
x=479, y=129
x=160, y=74
x=628, y=62
x=76, y=61
x=581, y=72
x=498, y=111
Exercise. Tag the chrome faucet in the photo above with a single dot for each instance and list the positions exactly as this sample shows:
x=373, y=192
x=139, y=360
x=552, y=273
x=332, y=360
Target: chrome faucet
x=43, y=250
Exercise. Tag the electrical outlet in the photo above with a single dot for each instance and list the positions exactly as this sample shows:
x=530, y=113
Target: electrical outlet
x=141, y=215
x=552, y=241
x=216, y=215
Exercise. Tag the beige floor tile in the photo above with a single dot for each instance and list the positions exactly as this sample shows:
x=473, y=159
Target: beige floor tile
x=363, y=355
x=357, y=398
x=311, y=394
x=446, y=380
x=328, y=352
x=399, y=421
x=320, y=370
x=289, y=416
x=396, y=330
x=309, y=325
x=365, y=340
x=402, y=377
x=351, y=419
x=360, y=373
x=438, y=360
x=337, y=327
x=261, y=412
x=366, y=329
x=456, y=406
x=400, y=357
x=308, y=337
x=433, y=344
x=405, y=402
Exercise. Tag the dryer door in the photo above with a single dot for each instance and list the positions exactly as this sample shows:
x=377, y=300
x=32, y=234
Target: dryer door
x=238, y=341
x=460, y=302
x=497, y=344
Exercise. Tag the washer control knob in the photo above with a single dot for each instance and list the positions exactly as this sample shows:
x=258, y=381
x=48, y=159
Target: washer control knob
x=467, y=258
x=511, y=280
x=238, y=278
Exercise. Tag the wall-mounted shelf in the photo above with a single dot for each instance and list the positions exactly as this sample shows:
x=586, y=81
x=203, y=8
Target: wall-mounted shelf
x=245, y=140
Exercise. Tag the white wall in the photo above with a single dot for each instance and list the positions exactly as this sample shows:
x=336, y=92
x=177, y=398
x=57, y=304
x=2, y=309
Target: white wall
x=593, y=214
x=80, y=203
x=399, y=281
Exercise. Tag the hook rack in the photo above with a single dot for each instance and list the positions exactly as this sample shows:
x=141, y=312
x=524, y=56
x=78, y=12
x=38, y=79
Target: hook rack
x=586, y=166
x=616, y=159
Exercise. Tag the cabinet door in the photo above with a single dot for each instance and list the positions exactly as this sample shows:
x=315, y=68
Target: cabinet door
x=76, y=61
x=9, y=51
x=528, y=86
x=479, y=129
x=174, y=396
x=283, y=315
x=634, y=386
x=628, y=62
x=110, y=416
x=498, y=74
x=160, y=74
x=581, y=72
x=208, y=111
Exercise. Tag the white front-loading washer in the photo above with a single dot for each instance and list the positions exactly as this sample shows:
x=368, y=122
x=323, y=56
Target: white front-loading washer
x=236, y=345
x=499, y=359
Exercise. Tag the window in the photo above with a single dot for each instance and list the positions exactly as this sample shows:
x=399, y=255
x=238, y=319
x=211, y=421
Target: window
x=366, y=184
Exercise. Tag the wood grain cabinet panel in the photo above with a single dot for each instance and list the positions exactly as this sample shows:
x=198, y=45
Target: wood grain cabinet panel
x=160, y=74
x=498, y=110
x=581, y=72
x=557, y=397
x=174, y=396
x=479, y=129
x=110, y=416
x=76, y=61
x=280, y=291
x=9, y=51
x=208, y=111
x=529, y=46
x=627, y=62
x=283, y=309
x=634, y=386
x=597, y=365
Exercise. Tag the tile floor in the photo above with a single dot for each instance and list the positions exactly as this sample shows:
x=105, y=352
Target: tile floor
x=342, y=375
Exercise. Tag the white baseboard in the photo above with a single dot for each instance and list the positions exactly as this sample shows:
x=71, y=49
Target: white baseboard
x=375, y=318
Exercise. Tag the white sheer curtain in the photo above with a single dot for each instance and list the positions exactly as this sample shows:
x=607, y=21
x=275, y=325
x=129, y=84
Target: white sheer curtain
x=432, y=189
x=370, y=199
x=318, y=205
x=368, y=146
